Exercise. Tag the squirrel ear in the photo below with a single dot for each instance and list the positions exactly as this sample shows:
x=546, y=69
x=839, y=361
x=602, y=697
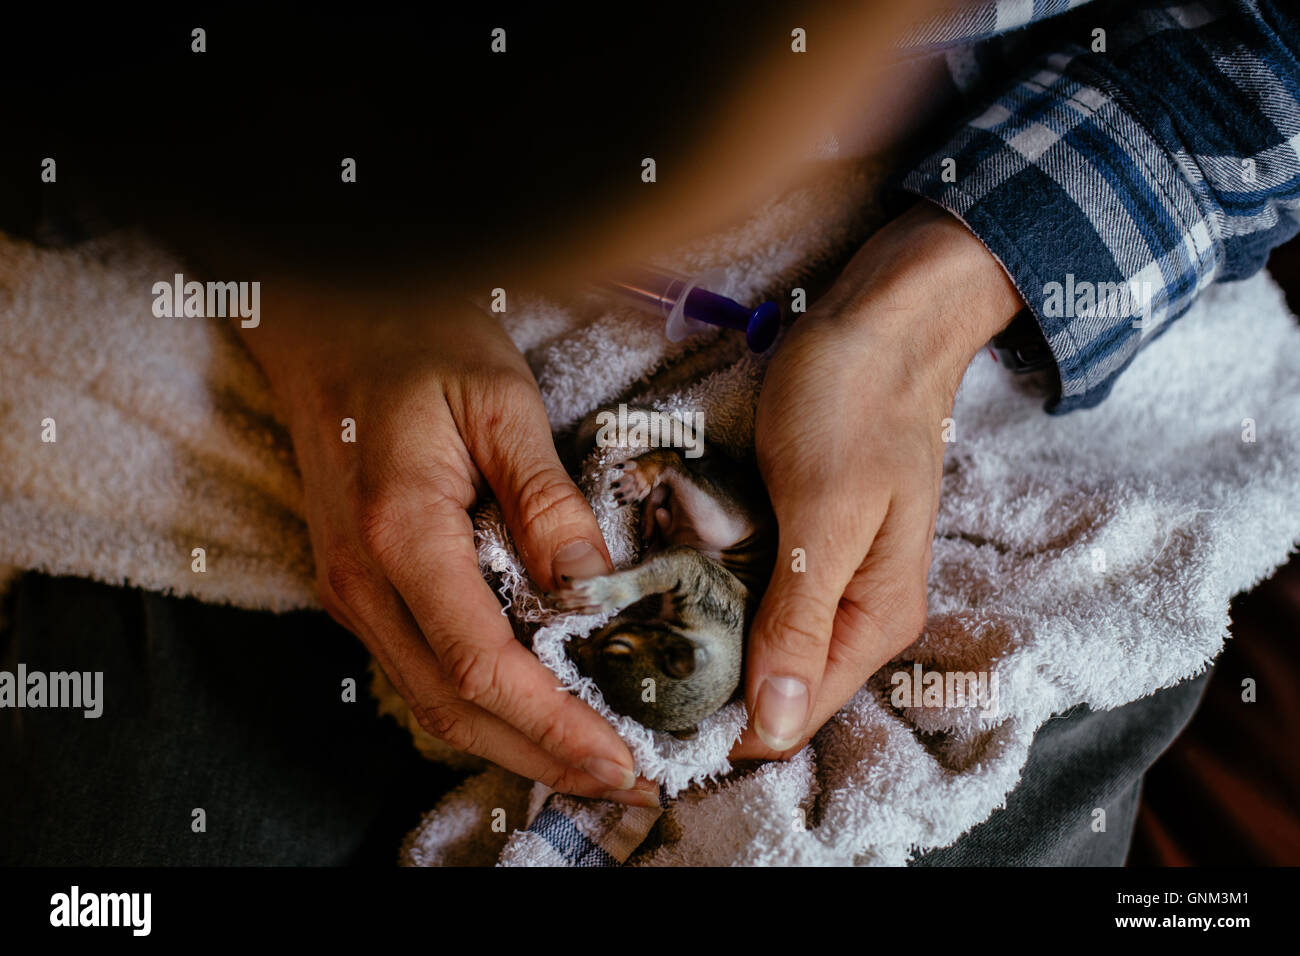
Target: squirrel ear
x=677, y=657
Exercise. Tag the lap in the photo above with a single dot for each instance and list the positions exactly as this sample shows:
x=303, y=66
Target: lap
x=240, y=714
x=1079, y=761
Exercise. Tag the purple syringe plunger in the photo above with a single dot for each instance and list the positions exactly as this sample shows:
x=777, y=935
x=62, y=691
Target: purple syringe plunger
x=687, y=307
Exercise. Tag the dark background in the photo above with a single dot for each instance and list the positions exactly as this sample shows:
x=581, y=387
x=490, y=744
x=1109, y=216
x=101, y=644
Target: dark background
x=461, y=152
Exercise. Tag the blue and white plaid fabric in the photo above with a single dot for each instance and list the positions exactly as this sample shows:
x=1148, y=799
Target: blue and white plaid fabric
x=575, y=847
x=1141, y=174
x=963, y=24
x=578, y=832
x=1120, y=173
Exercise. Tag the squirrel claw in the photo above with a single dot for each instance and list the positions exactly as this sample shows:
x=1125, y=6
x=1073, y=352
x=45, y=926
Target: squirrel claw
x=575, y=597
x=631, y=484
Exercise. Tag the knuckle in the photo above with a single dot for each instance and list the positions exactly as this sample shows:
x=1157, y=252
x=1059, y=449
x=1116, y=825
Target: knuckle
x=444, y=489
x=799, y=627
x=345, y=582
x=858, y=651
x=555, y=778
x=510, y=386
x=472, y=672
x=570, y=780
x=543, y=495
x=555, y=737
x=448, y=724
x=900, y=614
x=379, y=523
x=501, y=394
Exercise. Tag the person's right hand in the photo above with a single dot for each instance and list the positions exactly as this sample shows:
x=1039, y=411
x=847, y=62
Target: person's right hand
x=445, y=407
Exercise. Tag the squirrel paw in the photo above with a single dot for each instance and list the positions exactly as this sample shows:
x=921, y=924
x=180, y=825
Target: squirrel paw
x=589, y=596
x=631, y=482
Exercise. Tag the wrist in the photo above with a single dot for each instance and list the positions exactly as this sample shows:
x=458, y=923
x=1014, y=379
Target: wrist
x=313, y=345
x=926, y=287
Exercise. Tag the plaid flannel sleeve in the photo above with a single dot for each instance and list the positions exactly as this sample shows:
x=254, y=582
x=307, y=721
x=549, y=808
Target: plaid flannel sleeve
x=1115, y=184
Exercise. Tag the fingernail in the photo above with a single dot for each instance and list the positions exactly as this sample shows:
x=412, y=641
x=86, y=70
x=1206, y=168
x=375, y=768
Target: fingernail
x=609, y=773
x=781, y=711
x=578, y=559
x=634, y=798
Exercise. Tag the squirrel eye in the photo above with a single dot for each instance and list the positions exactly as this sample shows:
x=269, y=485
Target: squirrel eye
x=618, y=646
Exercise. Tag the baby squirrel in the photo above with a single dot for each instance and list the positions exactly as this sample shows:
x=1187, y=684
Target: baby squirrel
x=710, y=537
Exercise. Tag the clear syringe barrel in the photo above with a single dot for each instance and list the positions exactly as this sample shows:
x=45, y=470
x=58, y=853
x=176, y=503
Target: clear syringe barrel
x=687, y=307
x=659, y=289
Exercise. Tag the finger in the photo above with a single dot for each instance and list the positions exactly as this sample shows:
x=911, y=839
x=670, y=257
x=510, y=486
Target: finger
x=791, y=634
x=881, y=612
x=386, y=627
x=884, y=607
x=433, y=565
x=549, y=518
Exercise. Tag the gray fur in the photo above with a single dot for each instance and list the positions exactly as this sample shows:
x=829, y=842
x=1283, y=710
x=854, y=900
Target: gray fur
x=680, y=632
x=696, y=612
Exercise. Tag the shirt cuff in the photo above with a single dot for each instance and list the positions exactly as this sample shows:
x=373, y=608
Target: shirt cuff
x=1094, y=221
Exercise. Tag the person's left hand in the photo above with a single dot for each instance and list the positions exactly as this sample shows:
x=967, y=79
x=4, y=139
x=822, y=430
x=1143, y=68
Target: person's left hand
x=850, y=444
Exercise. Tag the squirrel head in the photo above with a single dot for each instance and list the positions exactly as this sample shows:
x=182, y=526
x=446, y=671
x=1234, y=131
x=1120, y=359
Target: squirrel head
x=654, y=673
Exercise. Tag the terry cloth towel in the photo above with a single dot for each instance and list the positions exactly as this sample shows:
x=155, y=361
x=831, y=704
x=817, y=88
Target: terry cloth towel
x=1083, y=559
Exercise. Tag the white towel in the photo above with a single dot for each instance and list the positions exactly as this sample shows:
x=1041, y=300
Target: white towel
x=1085, y=559
x=1082, y=559
x=165, y=437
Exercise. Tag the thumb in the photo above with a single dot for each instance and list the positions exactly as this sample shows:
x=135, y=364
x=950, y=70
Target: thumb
x=791, y=634
x=551, y=522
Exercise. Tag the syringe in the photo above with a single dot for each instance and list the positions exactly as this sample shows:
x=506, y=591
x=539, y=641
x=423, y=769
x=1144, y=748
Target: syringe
x=687, y=307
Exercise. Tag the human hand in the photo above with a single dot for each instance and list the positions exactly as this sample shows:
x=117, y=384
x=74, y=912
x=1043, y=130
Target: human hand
x=445, y=407
x=849, y=443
